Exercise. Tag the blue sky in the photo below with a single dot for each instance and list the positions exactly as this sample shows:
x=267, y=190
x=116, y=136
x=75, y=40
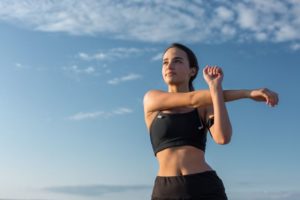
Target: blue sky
x=73, y=75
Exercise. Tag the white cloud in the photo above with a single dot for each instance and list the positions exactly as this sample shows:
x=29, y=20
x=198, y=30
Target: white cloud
x=98, y=56
x=20, y=66
x=157, y=57
x=228, y=30
x=129, y=77
x=111, y=55
x=114, y=53
x=81, y=70
x=105, y=114
x=122, y=111
x=153, y=21
x=89, y=115
x=246, y=17
x=295, y=46
x=261, y=36
x=286, y=33
x=224, y=13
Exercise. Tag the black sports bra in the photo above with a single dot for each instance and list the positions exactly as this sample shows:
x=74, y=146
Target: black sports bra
x=178, y=129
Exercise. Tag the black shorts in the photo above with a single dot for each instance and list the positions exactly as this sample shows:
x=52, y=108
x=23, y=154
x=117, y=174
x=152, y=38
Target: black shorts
x=200, y=186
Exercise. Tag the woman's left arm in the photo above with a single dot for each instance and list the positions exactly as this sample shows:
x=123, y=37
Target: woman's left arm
x=221, y=129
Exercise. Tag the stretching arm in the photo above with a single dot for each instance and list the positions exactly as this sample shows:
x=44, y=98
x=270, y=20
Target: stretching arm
x=221, y=130
x=155, y=100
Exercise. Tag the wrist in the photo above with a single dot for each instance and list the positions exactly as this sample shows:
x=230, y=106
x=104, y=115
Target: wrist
x=247, y=93
x=215, y=87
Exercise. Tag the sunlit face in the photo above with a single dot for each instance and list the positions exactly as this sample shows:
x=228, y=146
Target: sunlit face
x=176, y=69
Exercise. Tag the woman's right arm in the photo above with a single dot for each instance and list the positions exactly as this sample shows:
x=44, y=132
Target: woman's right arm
x=155, y=100
x=262, y=94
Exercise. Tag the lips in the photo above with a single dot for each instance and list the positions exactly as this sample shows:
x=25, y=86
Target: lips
x=170, y=73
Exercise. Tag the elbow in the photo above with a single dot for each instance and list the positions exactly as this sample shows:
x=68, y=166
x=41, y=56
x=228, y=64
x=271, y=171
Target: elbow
x=225, y=139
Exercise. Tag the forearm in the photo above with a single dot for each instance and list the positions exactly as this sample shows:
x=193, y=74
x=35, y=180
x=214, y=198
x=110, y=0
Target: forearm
x=231, y=95
x=203, y=97
x=222, y=125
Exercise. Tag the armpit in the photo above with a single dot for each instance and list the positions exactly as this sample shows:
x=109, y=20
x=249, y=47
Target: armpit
x=210, y=122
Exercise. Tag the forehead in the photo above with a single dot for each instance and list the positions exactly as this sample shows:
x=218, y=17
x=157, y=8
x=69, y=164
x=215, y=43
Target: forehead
x=174, y=52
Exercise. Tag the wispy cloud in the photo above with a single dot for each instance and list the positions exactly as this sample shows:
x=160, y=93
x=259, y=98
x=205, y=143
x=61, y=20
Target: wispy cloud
x=20, y=66
x=96, y=114
x=96, y=190
x=98, y=56
x=122, y=111
x=129, y=77
x=86, y=115
x=153, y=21
x=295, y=46
x=157, y=57
x=114, y=53
x=99, y=63
x=80, y=70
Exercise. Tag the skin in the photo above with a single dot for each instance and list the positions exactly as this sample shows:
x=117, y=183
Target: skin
x=176, y=72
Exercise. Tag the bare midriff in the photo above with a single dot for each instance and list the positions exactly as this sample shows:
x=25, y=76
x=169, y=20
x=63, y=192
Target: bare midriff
x=182, y=160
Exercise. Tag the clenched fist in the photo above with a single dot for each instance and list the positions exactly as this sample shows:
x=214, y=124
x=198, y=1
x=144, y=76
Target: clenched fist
x=213, y=75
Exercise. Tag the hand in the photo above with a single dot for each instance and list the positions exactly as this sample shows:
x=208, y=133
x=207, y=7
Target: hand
x=264, y=94
x=213, y=75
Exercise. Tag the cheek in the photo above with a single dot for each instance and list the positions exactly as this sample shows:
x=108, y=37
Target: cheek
x=183, y=70
x=162, y=73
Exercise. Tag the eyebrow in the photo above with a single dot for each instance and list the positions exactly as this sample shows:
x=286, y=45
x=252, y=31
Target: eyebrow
x=175, y=58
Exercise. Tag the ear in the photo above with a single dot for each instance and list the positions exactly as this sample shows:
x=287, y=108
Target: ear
x=193, y=71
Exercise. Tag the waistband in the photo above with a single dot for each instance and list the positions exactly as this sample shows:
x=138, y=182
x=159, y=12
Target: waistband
x=209, y=172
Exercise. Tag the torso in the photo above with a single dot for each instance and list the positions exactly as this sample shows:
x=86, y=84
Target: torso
x=182, y=160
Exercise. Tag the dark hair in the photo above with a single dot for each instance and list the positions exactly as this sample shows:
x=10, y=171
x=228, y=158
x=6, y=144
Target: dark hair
x=192, y=60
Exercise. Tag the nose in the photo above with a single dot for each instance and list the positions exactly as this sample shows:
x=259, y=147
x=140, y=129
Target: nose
x=170, y=66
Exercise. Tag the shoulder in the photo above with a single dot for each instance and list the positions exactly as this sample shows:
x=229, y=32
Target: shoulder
x=152, y=93
x=149, y=99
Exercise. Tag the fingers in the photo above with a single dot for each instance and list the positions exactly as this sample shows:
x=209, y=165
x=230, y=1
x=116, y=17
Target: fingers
x=263, y=93
x=271, y=97
x=205, y=70
x=274, y=97
x=213, y=70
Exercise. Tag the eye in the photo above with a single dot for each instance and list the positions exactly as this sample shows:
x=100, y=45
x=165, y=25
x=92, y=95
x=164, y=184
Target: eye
x=165, y=63
x=178, y=61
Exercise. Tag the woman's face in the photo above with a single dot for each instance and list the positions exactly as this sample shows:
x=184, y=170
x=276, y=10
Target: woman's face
x=176, y=68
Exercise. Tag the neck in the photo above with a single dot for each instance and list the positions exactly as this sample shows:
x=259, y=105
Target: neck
x=178, y=88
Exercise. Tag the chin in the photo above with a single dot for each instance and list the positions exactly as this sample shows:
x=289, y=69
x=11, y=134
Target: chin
x=169, y=80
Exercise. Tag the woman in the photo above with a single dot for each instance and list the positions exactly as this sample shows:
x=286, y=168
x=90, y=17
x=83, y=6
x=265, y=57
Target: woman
x=178, y=121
